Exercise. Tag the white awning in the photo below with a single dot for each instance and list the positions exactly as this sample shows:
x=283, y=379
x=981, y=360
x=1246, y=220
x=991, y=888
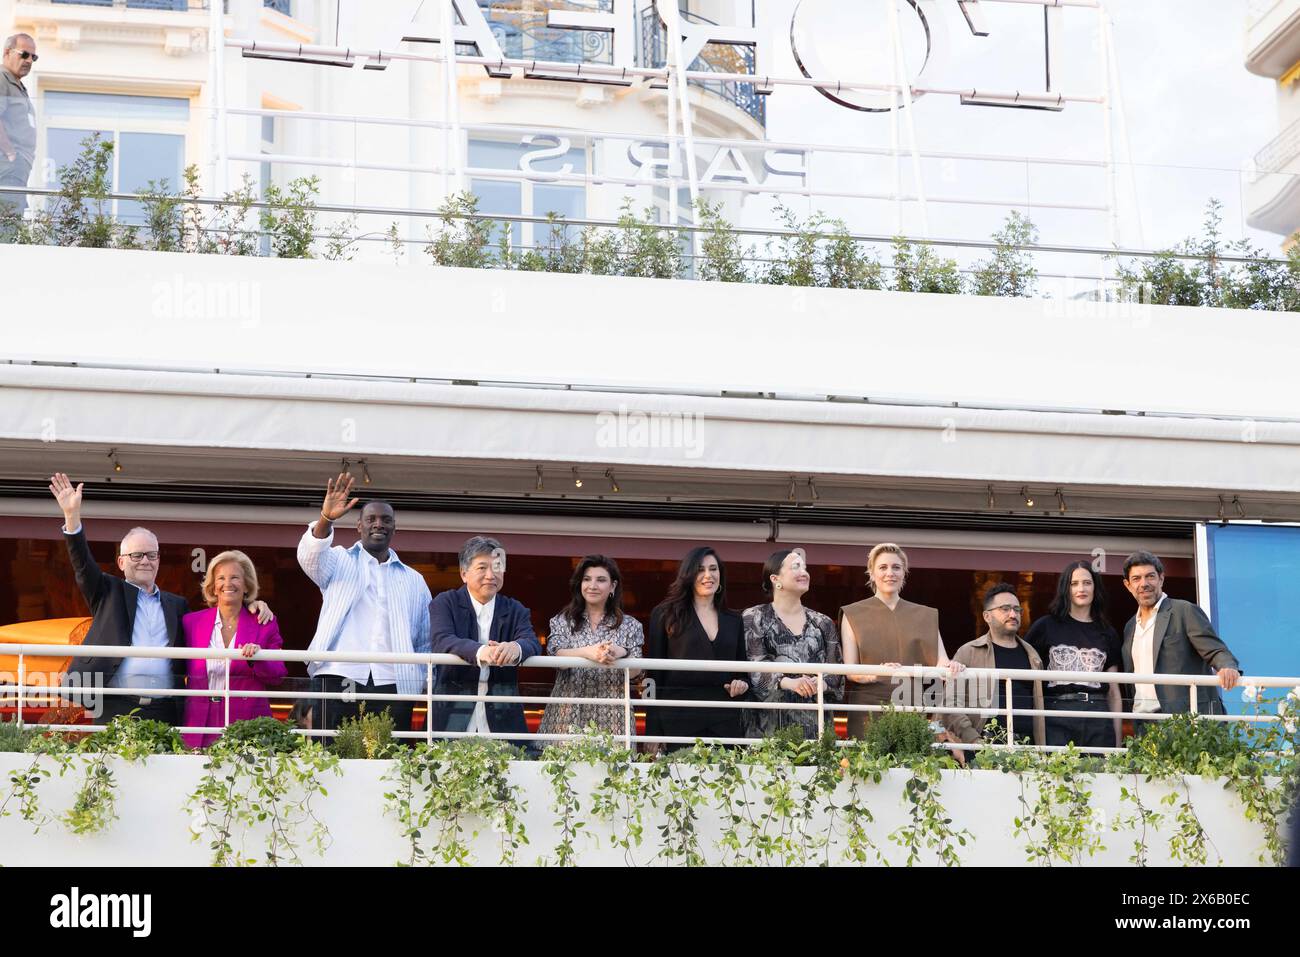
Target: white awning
x=210, y=428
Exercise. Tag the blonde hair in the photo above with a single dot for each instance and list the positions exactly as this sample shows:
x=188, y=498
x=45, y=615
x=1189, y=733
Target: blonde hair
x=884, y=548
x=245, y=565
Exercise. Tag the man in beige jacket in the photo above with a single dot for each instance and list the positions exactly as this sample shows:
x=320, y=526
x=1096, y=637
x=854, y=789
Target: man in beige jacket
x=999, y=647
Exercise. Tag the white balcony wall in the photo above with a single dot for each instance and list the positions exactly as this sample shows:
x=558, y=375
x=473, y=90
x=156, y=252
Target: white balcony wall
x=153, y=829
x=944, y=394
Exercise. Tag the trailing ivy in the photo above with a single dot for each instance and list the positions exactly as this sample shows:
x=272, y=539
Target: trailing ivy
x=678, y=791
x=259, y=774
x=1245, y=759
x=447, y=791
x=24, y=782
x=618, y=799
x=783, y=801
x=557, y=765
x=929, y=826
x=1143, y=822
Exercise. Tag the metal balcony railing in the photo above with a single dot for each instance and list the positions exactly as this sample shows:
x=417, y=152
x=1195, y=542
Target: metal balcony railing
x=1257, y=10
x=1284, y=148
x=16, y=693
x=523, y=34
x=176, y=5
x=715, y=58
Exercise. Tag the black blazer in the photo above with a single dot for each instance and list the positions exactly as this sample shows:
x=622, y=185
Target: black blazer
x=455, y=632
x=693, y=643
x=112, y=602
x=1183, y=643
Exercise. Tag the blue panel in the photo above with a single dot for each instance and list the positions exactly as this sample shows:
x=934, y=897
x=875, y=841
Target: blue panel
x=63, y=147
x=146, y=158
x=499, y=197
x=170, y=108
x=1254, y=570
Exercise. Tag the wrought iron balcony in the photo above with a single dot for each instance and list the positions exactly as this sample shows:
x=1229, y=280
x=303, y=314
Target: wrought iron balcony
x=523, y=34
x=177, y=5
x=717, y=58
x=1279, y=153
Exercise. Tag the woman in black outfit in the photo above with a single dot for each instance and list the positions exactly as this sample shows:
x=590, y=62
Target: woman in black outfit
x=1075, y=636
x=693, y=622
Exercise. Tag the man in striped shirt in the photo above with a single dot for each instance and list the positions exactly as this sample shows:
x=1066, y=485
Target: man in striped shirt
x=371, y=603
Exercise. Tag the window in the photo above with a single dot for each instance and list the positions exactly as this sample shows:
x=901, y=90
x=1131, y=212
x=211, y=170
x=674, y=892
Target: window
x=528, y=197
x=147, y=133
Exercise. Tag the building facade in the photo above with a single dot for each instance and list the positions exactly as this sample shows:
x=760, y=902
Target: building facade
x=1273, y=51
x=567, y=414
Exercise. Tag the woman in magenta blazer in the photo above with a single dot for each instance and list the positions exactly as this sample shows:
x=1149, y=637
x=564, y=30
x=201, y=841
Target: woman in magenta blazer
x=229, y=585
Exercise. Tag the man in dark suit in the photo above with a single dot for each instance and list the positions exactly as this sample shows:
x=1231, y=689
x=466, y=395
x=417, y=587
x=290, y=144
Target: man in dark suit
x=487, y=629
x=1171, y=636
x=131, y=610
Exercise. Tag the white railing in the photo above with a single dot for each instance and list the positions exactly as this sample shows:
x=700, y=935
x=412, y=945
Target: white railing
x=1256, y=10
x=1273, y=157
x=25, y=697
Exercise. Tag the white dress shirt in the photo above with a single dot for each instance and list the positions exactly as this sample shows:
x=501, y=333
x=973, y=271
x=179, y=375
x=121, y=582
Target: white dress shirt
x=217, y=666
x=366, y=626
x=1145, y=700
x=367, y=606
x=478, y=723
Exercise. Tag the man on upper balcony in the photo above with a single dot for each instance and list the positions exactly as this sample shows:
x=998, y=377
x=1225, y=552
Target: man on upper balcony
x=17, y=126
x=486, y=629
x=1171, y=636
x=371, y=602
x=131, y=610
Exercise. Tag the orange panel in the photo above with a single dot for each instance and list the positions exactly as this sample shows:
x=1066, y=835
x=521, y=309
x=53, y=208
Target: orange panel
x=51, y=631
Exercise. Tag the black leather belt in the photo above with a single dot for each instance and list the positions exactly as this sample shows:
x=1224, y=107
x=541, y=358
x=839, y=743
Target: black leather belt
x=1087, y=697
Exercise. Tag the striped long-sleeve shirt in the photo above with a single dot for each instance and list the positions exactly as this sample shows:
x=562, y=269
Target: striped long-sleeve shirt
x=338, y=573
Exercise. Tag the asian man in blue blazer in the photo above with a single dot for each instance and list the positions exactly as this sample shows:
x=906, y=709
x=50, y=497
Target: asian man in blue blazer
x=489, y=631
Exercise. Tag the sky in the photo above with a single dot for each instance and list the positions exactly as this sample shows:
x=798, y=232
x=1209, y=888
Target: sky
x=1194, y=115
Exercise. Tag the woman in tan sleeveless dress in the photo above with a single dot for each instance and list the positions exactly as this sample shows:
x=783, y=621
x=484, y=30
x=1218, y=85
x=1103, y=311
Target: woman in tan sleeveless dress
x=886, y=629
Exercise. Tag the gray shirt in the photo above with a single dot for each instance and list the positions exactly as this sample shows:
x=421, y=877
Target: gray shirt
x=18, y=117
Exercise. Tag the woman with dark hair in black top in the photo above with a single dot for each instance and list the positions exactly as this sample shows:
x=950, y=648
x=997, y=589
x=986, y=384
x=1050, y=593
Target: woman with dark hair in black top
x=1075, y=636
x=694, y=622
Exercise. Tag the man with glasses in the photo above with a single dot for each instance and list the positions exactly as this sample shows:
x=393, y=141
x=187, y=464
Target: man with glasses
x=131, y=610
x=999, y=647
x=17, y=127
x=1171, y=636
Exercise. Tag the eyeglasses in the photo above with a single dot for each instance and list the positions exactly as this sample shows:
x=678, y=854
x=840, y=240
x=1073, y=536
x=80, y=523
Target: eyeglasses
x=141, y=556
x=25, y=55
x=1006, y=609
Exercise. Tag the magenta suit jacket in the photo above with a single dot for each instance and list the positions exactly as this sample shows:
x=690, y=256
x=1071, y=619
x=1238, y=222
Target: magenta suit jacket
x=245, y=675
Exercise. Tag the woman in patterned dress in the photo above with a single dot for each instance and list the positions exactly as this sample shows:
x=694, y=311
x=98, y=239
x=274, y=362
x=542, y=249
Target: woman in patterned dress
x=593, y=626
x=784, y=630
